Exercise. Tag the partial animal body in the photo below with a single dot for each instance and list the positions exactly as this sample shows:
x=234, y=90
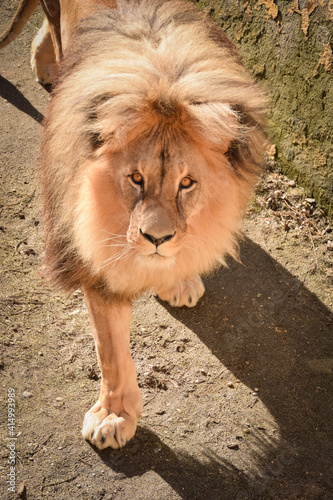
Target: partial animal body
x=152, y=145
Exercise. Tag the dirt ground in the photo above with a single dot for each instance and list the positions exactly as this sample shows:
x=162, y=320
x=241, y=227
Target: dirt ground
x=237, y=392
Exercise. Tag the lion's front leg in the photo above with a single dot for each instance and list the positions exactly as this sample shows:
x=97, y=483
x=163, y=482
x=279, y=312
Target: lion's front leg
x=185, y=293
x=113, y=419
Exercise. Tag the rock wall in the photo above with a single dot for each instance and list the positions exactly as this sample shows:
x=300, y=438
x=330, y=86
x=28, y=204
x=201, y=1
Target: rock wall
x=288, y=45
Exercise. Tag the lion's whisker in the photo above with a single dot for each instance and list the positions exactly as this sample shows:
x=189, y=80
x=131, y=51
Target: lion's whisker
x=114, y=234
x=129, y=254
x=125, y=252
x=113, y=245
x=194, y=236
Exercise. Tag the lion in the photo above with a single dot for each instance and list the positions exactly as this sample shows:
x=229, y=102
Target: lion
x=153, y=142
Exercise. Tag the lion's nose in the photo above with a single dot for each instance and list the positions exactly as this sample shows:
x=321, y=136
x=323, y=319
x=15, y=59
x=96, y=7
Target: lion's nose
x=157, y=241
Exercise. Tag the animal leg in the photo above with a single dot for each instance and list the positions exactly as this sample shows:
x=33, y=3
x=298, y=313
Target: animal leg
x=113, y=419
x=43, y=58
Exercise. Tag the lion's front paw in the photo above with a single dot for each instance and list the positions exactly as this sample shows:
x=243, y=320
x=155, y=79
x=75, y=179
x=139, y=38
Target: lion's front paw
x=104, y=429
x=187, y=293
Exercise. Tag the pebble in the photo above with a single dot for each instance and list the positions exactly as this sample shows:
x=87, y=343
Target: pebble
x=73, y=313
x=21, y=490
x=233, y=446
x=27, y=394
x=292, y=184
x=230, y=384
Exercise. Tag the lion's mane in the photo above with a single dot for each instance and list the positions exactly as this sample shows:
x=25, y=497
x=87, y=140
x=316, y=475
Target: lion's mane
x=127, y=72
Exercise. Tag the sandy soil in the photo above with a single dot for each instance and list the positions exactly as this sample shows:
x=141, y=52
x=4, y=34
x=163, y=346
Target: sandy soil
x=237, y=392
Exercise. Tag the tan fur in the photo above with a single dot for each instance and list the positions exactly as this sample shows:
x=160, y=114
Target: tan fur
x=43, y=56
x=23, y=12
x=152, y=88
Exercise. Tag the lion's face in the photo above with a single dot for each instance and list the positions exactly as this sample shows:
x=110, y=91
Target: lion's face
x=154, y=205
x=161, y=187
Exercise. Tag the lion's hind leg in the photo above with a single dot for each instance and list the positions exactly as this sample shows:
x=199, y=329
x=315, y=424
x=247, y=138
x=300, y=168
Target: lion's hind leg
x=43, y=58
x=186, y=293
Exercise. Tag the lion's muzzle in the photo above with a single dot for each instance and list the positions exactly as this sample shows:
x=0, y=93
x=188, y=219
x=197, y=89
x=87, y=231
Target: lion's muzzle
x=157, y=241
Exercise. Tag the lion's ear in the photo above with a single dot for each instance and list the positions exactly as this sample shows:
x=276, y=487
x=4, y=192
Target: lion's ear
x=94, y=115
x=217, y=123
x=245, y=151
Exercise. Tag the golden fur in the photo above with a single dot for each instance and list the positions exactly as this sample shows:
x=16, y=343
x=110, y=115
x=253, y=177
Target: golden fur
x=125, y=99
x=150, y=96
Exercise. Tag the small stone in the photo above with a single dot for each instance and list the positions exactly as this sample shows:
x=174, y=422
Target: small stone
x=292, y=184
x=231, y=385
x=73, y=313
x=27, y=394
x=58, y=399
x=92, y=374
x=330, y=245
x=21, y=490
x=203, y=372
x=233, y=446
x=312, y=201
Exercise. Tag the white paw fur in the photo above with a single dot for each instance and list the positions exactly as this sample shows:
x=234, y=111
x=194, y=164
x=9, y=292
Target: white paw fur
x=187, y=293
x=104, y=429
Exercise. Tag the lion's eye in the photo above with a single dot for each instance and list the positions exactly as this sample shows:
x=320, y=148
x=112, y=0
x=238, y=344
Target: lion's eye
x=137, y=178
x=186, y=183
